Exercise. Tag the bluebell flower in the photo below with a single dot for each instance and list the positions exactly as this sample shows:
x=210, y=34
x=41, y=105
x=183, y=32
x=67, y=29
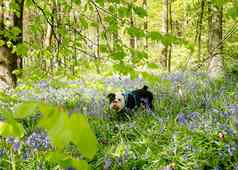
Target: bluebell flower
x=2, y=152
x=70, y=168
x=193, y=115
x=38, y=141
x=107, y=164
x=182, y=118
x=10, y=140
x=43, y=84
x=16, y=145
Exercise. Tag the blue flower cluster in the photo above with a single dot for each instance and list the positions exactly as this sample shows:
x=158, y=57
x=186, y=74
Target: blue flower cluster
x=38, y=141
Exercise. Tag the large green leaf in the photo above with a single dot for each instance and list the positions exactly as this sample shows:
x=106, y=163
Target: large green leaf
x=83, y=136
x=25, y=109
x=63, y=129
x=11, y=128
x=66, y=161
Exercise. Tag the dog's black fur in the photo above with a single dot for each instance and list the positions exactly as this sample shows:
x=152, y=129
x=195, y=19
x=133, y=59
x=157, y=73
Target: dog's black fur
x=134, y=99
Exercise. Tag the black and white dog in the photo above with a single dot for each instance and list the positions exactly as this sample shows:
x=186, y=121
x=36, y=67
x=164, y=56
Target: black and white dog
x=127, y=102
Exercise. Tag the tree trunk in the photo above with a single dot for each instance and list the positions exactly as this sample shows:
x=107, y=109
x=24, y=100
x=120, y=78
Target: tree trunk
x=132, y=39
x=216, y=64
x=145, y=25
x=165, y=29
x=171, y=31
x=10, y=61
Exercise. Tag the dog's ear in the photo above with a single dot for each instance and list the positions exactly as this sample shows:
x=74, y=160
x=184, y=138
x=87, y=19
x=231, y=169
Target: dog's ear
x=111, y=95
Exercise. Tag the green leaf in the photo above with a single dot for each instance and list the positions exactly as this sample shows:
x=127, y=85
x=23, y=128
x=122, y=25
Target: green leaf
x=25, y=109
x=22, y=49
x=137, y=55
x=11, y=128
x=141, y=12
x=100, y=2
x=233, y=12
x=66, y=161
x=123, y=12
x=155, y=36
x=150, y=77
x=125, y=69
x=77, y=2
x=63, y=129
x=2, y=43
x=83, y=22
x=80, y=164
x=103, y=48
x=12, y=33
x=83, y=136
x=153, y=65
x=118, y=55
x=135, y=32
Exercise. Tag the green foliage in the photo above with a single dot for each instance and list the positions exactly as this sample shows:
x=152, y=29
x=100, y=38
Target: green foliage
x=141, y=12
x=67, y=129
x=135, y=32
x=22, y=49
x=25, y=109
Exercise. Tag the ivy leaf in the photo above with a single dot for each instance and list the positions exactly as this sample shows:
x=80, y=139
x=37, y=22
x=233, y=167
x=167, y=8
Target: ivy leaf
x=140, y=11
x=135, y=32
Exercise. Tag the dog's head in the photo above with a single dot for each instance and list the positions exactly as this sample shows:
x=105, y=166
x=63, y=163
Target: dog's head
x=117, y=101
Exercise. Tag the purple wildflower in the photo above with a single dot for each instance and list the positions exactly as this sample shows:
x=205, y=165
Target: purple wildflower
x=182, y=119
x=10, y=140
x=43, y=84
x=107, y=164
x=16, y=145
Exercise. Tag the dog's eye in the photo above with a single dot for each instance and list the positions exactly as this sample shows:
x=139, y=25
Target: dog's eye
x=119, y=100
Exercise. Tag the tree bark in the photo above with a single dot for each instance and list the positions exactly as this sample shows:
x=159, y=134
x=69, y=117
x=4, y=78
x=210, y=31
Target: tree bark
x=165, y=29
x=145, y=25
x=216, y=63
x=10, y=61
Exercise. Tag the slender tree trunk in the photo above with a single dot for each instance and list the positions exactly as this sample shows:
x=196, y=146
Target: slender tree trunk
x=199, y=31
x=171, y=31
x=165, y=29
x=216, y=64
x=132, y=39
x=98, y=45
x=145, y=24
